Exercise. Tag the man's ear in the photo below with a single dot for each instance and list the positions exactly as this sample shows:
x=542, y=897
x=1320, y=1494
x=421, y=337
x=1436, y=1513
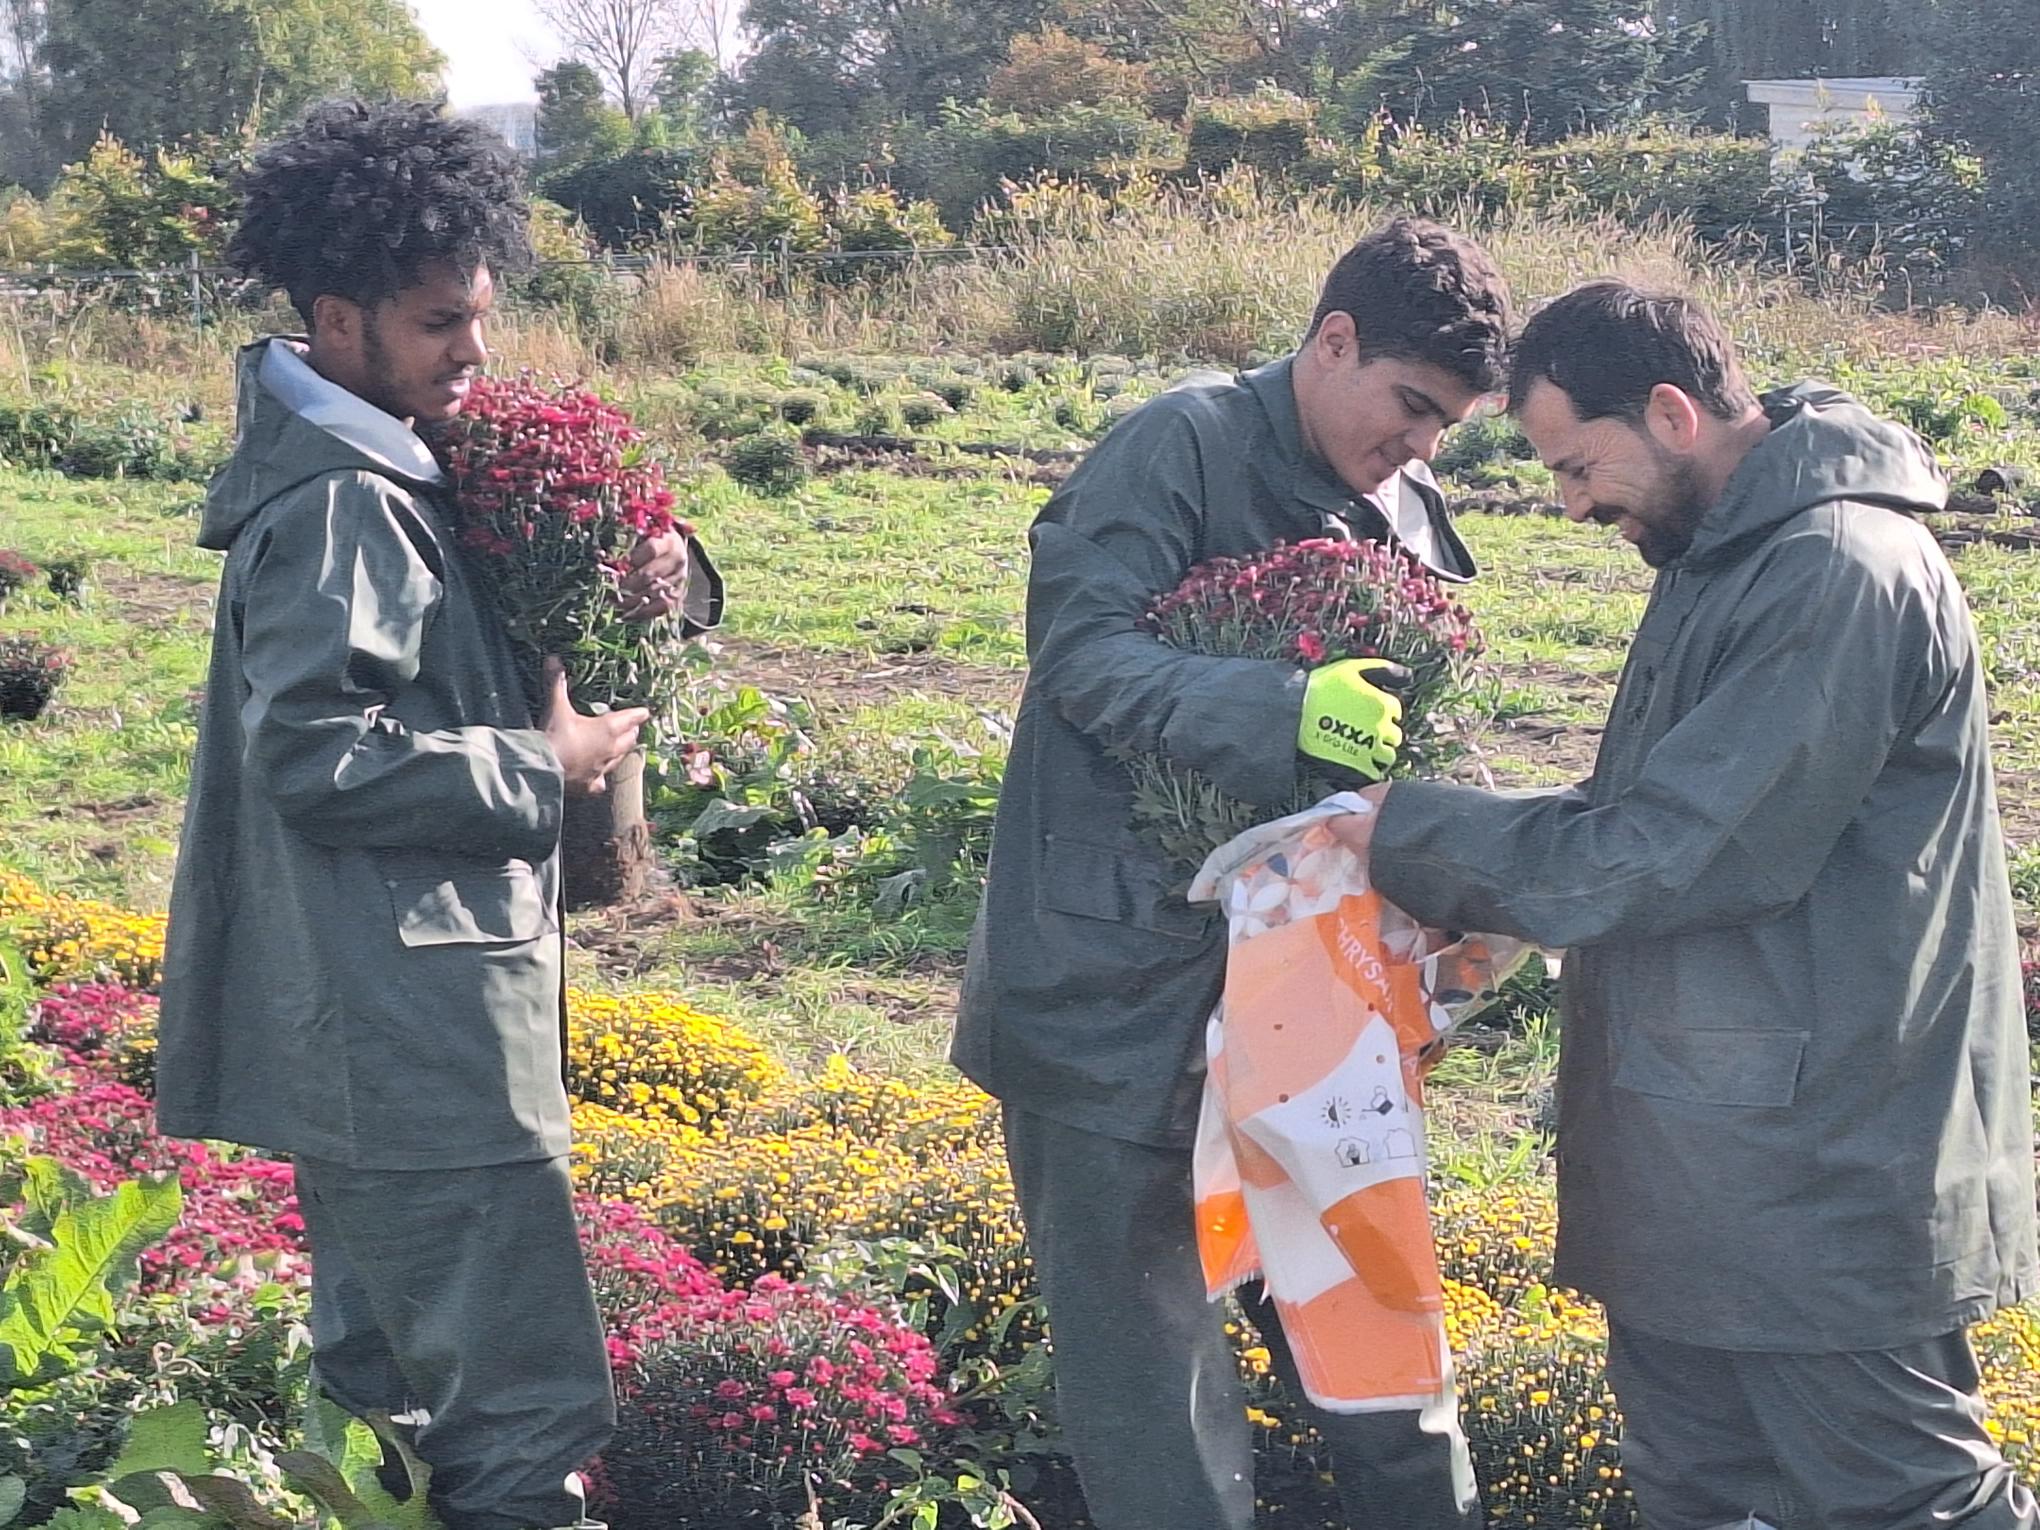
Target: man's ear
x=336, y=319
x=1336, y=338
x=1672, y=418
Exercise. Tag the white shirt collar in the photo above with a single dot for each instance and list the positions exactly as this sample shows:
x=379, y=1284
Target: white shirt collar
x=382, y=438
x=1403, y=508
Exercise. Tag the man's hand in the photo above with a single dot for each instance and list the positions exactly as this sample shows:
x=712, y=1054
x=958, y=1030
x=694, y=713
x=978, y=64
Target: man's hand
x=1350, y=719
x=1356, y=830
x=657, y=582
x=589, y=747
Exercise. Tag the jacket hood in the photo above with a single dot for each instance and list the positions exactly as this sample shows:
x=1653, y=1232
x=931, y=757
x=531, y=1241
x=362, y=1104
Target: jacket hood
x=1823, y=447
x=292, y=427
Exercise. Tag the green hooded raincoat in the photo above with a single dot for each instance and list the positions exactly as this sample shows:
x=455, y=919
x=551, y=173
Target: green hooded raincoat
x=1090, y=979
x=364, y=957
x=1794, y=1107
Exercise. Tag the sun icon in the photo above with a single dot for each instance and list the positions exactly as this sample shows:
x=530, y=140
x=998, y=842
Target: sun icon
x=1336, y=1111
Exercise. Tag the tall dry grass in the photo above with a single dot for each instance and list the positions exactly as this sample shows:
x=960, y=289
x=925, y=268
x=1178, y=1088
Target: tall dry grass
x=1216, y=273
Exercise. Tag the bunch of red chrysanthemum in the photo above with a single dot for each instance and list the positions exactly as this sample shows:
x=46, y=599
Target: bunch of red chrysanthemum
x=1309, y=604
x=555, y=488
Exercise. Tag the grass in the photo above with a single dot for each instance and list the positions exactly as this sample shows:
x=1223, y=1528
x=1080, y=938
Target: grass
x=92, y=794
x=874, y=563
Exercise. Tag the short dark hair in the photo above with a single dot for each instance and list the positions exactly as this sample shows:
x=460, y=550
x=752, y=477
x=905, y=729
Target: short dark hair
x=359, y=200
x=1419, y=292
x=1607, y=344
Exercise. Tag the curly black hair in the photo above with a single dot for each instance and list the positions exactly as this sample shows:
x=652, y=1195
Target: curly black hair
x=361, y=198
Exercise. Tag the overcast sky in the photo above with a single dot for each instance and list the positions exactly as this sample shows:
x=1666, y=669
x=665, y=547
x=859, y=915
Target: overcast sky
x=490, y=46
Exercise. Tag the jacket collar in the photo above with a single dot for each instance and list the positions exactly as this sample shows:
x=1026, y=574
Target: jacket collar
x=382, y=438
x=1274, y=386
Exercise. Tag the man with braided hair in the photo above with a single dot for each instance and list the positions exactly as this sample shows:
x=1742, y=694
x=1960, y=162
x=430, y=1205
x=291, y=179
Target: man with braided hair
x=364, y=951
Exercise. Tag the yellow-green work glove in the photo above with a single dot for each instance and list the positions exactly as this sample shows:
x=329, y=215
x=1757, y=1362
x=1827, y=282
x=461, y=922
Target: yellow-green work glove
x=1349, y=719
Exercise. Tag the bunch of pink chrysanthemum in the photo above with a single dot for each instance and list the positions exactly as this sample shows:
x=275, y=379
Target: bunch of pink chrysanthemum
x=555, y=488
x=1310, y=604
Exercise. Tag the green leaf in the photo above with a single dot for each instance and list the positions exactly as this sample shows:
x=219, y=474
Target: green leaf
x=927, y=1516
x=349, y=1454
x=58, y=1293
x=161, y=1498
x=722, y=814
x=166, y=1439
x=232, y=1501
x=13, y=1494
x=85, y=1517
x=47, y=1187
x=319, y=1480
x=342, y=1439
x=414, y=1512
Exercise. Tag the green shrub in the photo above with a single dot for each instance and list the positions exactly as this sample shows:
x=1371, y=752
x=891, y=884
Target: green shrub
x=117, y=209
x=961, y=161
x=68, y=577
x=1271, y=130
x=933, y=837
x=630, y=200
x=1884, y=190
x=801, y=406
x=922, y=410
x=880, y=417
x=587, y=298
x=1480, y=442
x=878, y=218
x=133, y=444
x=755, y=199
x=34, y=435
x=770, y=462
x=1983, y=98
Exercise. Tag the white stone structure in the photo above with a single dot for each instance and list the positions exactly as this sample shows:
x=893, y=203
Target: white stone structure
x=1798, y=107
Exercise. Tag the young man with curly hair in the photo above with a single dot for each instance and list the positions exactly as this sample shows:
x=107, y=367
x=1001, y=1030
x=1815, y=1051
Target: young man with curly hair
x=1090, y=979
x=364, y=965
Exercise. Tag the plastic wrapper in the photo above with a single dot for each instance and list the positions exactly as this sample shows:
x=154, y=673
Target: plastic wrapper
x=1310, y=1149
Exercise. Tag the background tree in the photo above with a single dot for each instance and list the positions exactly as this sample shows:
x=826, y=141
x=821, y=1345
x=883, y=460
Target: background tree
x=154, y=72
x=877, y=58
x=683, y=89
x=623, y=41
x=1205, y=47
x=1050, y=69
x=1550, y=67
x=1983, y=94
x=1764, y=39
x=575, y=119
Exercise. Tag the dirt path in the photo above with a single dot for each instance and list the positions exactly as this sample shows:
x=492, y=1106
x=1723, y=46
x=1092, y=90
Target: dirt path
x=835, y=684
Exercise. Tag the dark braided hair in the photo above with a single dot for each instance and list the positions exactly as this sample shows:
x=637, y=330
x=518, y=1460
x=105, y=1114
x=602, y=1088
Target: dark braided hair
x=360, y=199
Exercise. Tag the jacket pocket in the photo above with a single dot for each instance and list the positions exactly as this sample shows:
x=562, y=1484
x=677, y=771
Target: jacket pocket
x=1751, y=1068
x=499, y=907
x=1098, y=882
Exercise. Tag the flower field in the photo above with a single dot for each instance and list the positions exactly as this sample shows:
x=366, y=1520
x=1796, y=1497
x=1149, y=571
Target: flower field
x=814, y=1277
x=800, y=1223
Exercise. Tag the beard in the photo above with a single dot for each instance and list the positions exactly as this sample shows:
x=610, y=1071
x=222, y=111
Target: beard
x=1678, y=507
